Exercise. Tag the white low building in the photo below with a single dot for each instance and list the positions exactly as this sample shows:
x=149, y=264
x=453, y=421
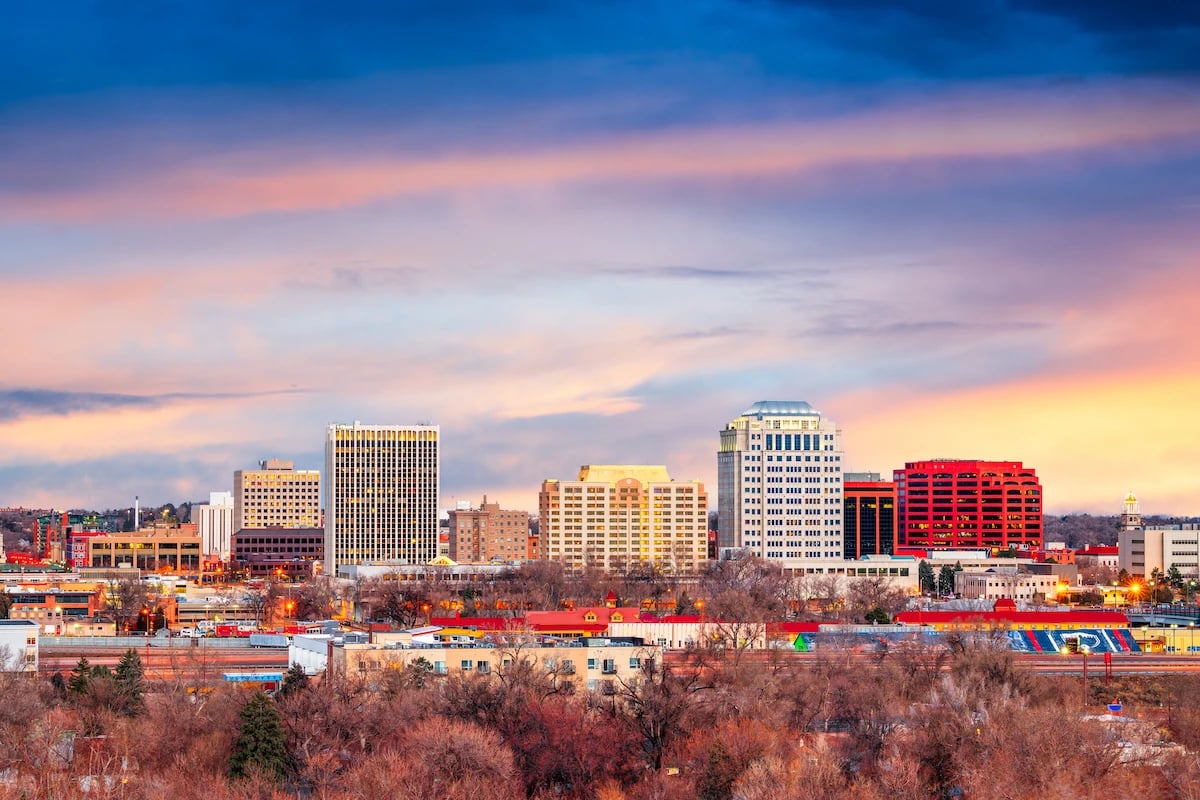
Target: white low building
x=19, y=645
x=311, y=652
x=994, y=584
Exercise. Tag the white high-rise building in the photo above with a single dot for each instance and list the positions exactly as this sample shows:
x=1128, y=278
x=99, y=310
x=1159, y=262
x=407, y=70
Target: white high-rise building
x=779, y=482
x=381, y=494
x=215, y=524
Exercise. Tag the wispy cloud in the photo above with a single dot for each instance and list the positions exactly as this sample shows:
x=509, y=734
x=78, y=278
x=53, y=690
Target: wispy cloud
x=1002, y=123
x=18, y=403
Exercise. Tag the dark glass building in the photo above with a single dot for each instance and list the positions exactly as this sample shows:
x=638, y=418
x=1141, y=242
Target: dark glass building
x=868, y=515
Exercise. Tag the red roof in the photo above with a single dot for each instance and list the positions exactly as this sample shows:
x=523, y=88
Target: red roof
x=1098, y=550
x=480, y=623
x=913, y=552
x=1080, y=618
x=774, y=628
x=576, y=620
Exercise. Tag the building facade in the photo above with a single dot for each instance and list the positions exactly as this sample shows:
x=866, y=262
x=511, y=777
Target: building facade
x=276, y=495
x=868, y=516
x=600, y=668
x=279, y=552
x=779, y=482
x=617, y=516
x=952, y=503
x=19, y=645
x=381, y=494
x=175, y=549
x=488, y=533
x=1144, y=550
x=215, y=523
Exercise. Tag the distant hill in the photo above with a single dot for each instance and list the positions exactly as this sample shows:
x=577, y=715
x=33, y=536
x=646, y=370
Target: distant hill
x=1076, y=530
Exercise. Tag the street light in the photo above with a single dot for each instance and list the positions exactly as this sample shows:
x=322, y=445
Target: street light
x=1083, y=650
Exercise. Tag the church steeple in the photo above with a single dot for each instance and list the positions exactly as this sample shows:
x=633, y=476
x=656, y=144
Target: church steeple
x=1131, y=513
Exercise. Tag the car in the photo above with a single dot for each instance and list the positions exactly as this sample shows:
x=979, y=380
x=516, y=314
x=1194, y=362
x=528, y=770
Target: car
x=189, y=633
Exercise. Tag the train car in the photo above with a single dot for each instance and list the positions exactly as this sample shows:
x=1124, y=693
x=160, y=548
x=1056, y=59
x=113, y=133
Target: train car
x=275, y=640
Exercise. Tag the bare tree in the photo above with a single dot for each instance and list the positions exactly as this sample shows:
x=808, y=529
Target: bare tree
x=865, y=596
x=126, y=599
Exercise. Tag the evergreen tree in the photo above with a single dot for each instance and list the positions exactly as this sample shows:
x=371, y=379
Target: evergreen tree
x=59, y=683
x=131, y=684
x=716, y=782
x=946, y=580
x=81, y=677
x=296, y=680
x=260, y=746
x=926, y=577
x=877, y=615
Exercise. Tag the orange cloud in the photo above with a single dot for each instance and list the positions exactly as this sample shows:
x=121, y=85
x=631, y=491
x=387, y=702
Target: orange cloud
x=1090, y=441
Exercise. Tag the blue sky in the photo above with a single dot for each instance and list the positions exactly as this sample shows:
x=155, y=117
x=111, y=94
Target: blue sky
x=594, y=232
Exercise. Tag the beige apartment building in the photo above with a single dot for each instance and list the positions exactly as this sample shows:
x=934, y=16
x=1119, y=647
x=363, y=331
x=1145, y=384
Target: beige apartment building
x=617, y=516
x=488, y=534
x=276, y=495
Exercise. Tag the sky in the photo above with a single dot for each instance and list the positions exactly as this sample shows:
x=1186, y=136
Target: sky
x=576, y=233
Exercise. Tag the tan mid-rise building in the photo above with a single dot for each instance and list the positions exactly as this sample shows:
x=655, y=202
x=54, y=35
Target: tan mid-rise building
x=615, y=517
x=488, y=534
x=174, y=548
x=276, y=495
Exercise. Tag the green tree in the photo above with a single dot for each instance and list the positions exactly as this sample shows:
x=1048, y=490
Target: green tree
x=81, y=677
x=131, y=684
x=926, y=577
x=261, y=746
x=1175, y=577
x=878, y=615
x=946, y=580
x=296, y=680
x=720, y=773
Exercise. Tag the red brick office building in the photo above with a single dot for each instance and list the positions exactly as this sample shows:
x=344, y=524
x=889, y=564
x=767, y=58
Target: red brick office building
x=953, y=503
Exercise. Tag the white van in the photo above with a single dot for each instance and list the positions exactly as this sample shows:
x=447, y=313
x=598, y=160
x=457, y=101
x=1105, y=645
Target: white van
x=190, y=633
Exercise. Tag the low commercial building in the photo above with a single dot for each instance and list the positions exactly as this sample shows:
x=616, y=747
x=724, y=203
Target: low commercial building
x=176, y=549
x=54, y=610
x=595, y=665
x=993, y=584
x=280, y=552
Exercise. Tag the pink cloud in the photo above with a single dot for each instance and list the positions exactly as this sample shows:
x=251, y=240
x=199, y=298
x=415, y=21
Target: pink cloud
x=999, y=123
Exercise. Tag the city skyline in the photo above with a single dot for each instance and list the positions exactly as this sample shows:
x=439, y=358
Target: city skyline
x=595, y=234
